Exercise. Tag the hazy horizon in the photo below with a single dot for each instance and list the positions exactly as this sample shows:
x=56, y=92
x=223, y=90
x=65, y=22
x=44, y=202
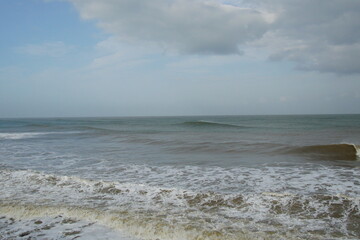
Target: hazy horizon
x=174, y=116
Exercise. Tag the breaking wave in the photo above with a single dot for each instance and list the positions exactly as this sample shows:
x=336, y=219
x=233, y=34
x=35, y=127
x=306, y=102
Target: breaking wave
x=16, y=136
x=25, y=135
x=332, y=152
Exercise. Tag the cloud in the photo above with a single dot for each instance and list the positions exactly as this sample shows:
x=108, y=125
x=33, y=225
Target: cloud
x=316, y=35
x=50, y=49
x=340, y=59
x=188, y=26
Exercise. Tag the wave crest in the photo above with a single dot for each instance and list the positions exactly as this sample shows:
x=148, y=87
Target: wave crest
x=342, y=151
x=26, y=135
x=209, y=124
x=16, y=136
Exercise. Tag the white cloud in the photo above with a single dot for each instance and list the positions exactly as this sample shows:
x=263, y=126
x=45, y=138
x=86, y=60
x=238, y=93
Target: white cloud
x=189, y=26
x=50, y=49
x=317, y=35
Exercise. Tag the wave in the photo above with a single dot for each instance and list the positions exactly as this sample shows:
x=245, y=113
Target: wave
x=205, y=146
x=25, y=135
x=342, y=151
x=38, y=125
x=151, y=212
x=202, y=123
x=16, y=136
x=89, y=129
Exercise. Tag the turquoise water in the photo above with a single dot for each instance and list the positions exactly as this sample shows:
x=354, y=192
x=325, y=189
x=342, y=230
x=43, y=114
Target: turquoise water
x=203, y=177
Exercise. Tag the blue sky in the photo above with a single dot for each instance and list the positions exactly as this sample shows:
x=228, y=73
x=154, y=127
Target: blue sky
x=180, y=57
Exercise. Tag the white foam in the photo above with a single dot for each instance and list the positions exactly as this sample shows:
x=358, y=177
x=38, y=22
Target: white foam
x=42, y=226
x=15, y=136
x=357, y=148
x=150, y=211
x=128, y=228
x=24, y=135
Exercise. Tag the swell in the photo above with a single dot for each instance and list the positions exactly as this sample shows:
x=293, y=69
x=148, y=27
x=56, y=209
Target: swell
x=209, y=124
x=331, y=152
x=37, y=125
x=205, y=146
x=115, y=130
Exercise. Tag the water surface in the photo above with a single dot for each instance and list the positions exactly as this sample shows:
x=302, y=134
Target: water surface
x=206, y=177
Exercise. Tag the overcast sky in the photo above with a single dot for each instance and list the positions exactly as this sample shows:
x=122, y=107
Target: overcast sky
x=178, y=57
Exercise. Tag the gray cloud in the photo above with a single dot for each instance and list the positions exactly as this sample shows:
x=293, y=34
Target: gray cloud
x=339, y=59
x=317, y=35
x=331, y=21
x=190, y=26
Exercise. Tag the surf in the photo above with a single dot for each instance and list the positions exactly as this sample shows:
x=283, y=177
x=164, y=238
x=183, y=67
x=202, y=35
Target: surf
x=23, y=135
x=151, y=212
x=343, y=151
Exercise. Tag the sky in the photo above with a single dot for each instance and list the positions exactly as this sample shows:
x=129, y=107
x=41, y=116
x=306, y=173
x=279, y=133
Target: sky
x=79, y=58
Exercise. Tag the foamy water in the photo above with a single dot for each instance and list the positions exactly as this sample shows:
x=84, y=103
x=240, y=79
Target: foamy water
x=180, y=178
x=19, y=135
x=42, y=226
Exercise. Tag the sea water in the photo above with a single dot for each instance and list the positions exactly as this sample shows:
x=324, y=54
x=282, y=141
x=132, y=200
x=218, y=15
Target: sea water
x=201, y=177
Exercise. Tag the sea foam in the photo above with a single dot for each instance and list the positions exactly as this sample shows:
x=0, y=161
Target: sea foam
x=16, y=136
x=151, y=212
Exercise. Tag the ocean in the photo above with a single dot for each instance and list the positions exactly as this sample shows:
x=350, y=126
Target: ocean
x=198, y=177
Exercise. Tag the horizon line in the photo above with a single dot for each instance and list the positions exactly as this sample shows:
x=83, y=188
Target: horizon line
x=190, y=115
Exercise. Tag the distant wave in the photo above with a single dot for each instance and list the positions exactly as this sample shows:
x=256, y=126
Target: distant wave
x=15, y=136
x=202, y=123
x=91, y=128
x=38, y=125
x=25, y=135
x=342, y=151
